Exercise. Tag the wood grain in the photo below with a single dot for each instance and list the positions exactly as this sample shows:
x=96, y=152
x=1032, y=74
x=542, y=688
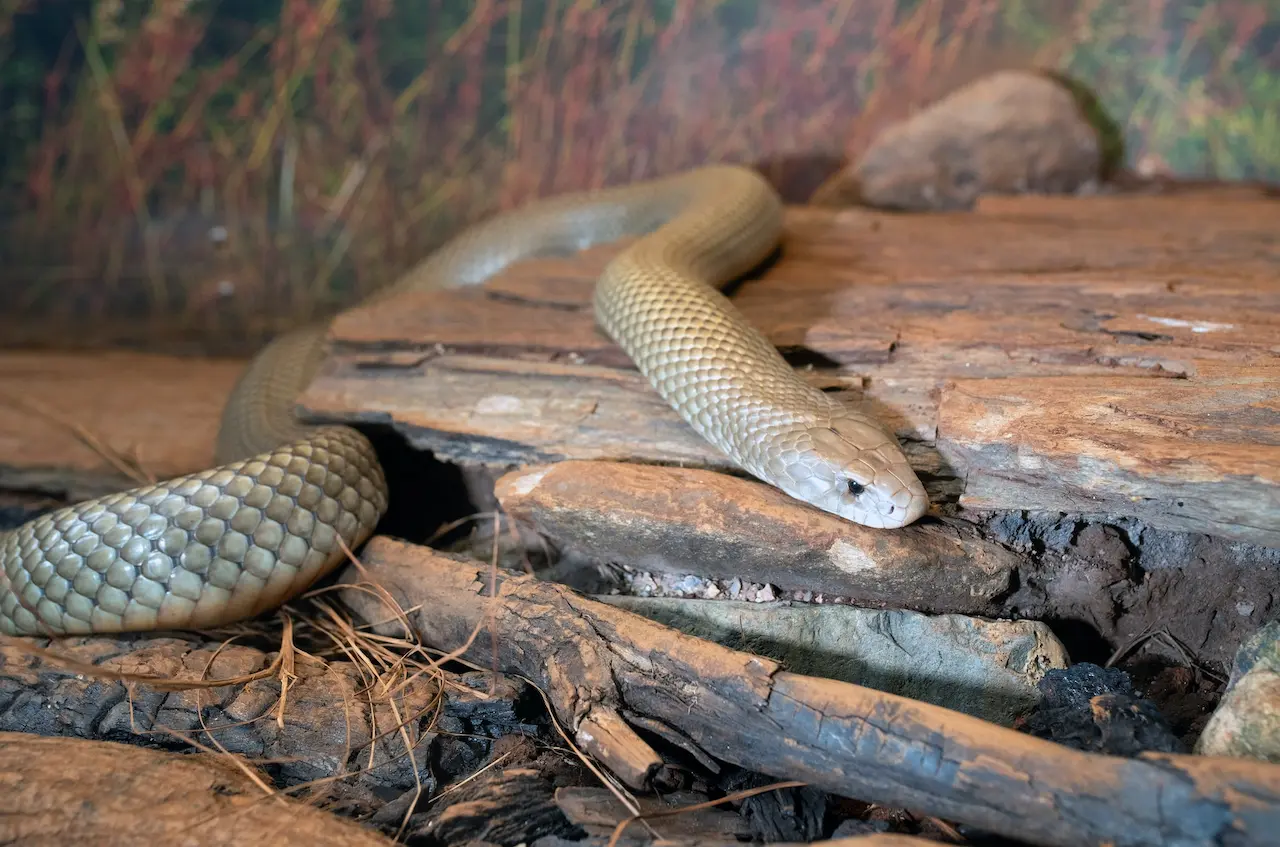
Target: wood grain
x=687, y=521
x=1128, y=331
x=1200, y=455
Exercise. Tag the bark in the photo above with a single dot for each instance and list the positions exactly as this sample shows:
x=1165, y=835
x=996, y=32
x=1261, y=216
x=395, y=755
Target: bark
x=892, y=312
x=1051, y=299
x=1199, y=455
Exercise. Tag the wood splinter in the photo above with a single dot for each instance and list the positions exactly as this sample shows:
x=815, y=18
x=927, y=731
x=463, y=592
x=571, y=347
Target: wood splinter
x=596, y=663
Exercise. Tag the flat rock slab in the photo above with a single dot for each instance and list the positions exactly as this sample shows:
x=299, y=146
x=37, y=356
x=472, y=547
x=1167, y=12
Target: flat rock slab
x=160, y=411
x=985, y=668
x=899, y=313
x=689, y=521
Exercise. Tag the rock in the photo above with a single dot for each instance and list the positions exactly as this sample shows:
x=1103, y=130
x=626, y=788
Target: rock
x=1096, y=709
x=1012, y=132
x=1247, y=720
x=986, y=668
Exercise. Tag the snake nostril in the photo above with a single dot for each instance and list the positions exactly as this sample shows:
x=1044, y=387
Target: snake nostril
x=891, y=508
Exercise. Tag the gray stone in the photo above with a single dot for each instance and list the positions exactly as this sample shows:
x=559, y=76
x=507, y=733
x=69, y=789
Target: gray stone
x=1247, y=720
x=986, y=668
x=1011, y=132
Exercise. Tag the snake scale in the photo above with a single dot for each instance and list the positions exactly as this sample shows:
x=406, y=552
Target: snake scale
x=228, y=543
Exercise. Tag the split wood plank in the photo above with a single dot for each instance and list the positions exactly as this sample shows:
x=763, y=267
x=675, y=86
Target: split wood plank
x=686, y=521
x=499, y=411
x=898, y=313
x=1199, y=455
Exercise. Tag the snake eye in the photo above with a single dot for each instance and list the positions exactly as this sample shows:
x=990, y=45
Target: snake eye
x=855, y=487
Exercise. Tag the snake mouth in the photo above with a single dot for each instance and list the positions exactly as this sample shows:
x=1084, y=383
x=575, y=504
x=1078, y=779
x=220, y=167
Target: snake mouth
x=912, y=512
x=890, y=516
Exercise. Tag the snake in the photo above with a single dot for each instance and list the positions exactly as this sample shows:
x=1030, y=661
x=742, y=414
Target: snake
x=289, y=498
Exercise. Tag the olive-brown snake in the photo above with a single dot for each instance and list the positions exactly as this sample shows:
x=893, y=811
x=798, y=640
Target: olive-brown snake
x=231, y=542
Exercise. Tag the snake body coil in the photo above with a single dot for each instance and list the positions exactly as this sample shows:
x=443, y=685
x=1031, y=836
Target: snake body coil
x=231, y=542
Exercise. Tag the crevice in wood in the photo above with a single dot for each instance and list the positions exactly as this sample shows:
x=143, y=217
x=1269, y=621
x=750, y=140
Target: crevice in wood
x=425, y=493
x=537, y=303
x=805, y=357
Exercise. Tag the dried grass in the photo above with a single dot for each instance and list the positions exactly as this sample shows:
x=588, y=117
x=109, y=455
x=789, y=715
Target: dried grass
x=339, y=147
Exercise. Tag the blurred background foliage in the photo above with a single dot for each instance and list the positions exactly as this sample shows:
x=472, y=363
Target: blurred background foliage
x=203, y=173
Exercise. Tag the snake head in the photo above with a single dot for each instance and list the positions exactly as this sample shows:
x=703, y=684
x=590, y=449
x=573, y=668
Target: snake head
x=854, y=469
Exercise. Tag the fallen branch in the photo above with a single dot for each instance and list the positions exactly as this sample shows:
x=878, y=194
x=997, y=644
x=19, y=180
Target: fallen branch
x=598, y=664
x=56, y=791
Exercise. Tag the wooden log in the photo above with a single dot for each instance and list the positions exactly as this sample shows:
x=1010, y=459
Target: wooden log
x=887, y=311
x=892, y=312
x=161, y=411
x=983, y=667
x=596, y=662
x=56, y=791
x=1193, y=455
x=679, y=520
